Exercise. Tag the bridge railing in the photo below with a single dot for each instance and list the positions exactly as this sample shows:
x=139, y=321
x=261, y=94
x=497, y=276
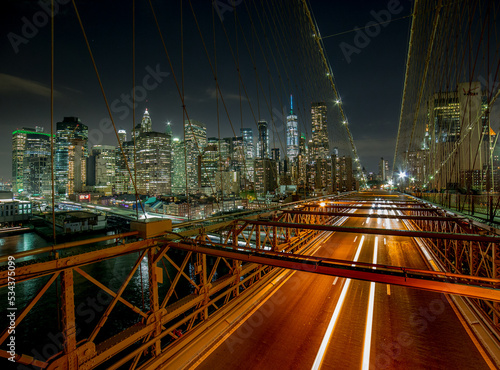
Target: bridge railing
x=485, y=207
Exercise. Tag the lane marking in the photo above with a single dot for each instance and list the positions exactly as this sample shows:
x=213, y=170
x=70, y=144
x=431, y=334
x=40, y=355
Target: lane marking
x=335, y=281
x=326, y=339
x=388, y=289
x=369, y=316
x=355, y=239
x=385, y=241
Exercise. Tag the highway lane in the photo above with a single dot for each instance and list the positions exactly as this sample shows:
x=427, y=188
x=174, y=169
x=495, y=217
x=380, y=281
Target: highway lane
x=408, y=322
x=287, y=330
x=411, y=328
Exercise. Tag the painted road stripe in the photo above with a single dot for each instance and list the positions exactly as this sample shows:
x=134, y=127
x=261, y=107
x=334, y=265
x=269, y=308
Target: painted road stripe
x=369, y=316
x=333, y=320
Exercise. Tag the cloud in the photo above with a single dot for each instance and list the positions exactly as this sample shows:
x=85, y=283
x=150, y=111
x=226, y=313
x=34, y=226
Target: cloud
x=16, y=85
x=227, y=96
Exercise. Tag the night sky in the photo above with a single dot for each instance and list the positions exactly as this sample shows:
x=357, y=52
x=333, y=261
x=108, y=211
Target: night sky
x=369, y=80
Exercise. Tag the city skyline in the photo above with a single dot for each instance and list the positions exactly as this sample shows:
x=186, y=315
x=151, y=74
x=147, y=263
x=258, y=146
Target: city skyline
x=27, y=87
x=155, y=163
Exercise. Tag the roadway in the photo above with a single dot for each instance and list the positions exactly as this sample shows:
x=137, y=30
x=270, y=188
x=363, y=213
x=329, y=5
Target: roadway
x=315, y=321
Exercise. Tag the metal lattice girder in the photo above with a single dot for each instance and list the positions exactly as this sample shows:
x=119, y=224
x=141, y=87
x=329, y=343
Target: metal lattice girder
x=30, y=271
x=34, y=252
x=374, y=215
x=475, y=287
x=406, y=233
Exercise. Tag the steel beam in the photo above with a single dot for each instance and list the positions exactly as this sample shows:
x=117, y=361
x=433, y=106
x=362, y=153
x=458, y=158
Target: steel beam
x=406, y=233
x=432, y=281
x=373, y=215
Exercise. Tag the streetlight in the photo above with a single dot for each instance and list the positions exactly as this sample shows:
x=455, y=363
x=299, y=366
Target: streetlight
x=402, y=176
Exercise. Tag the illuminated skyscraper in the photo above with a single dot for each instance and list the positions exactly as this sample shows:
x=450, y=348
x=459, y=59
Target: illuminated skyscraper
x=31, y=161
x=292, y=134
x=122, y=135
x=154, y=156
x=263, y=141
x=71, y=152
x=146, y=124
x=101, y=168
x=123, y=178
x=320, y=146
x=196, y=140
x=247, y=135
x=153, y=159
x=178, y=167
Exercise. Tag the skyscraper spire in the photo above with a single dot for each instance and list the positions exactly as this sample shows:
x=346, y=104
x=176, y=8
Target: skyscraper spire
x=291, y=104
x=146, y=124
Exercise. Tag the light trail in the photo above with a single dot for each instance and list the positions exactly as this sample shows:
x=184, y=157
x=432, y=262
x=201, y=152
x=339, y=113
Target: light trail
x=333, y=320
x=369, y=316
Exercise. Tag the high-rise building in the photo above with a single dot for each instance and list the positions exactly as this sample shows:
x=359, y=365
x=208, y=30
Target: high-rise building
x=31, y=161
x=149, y=162
x=71, y=152
x=196, y=140
x=146, y=123
x=247, y=135
x=318, y=175
x=292, y=134
x=122, y=135
x=237, y=154
x=210, y=167
x=265, y=176
x=248, y=172
x=320, y=146
x=263, y=141
x=448, y=114
x=342, y=175
x=101, y=168
x=124, y=177
x=383, y=170
x=77, y=166
x=154, y=158
x=178, y=167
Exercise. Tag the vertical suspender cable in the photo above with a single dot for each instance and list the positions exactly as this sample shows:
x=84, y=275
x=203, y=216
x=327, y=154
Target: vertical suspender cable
x=218, y=117
x=133, y=113
x=184, y=115
x=52, y=145
x=52, y=119
x=408, y=58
